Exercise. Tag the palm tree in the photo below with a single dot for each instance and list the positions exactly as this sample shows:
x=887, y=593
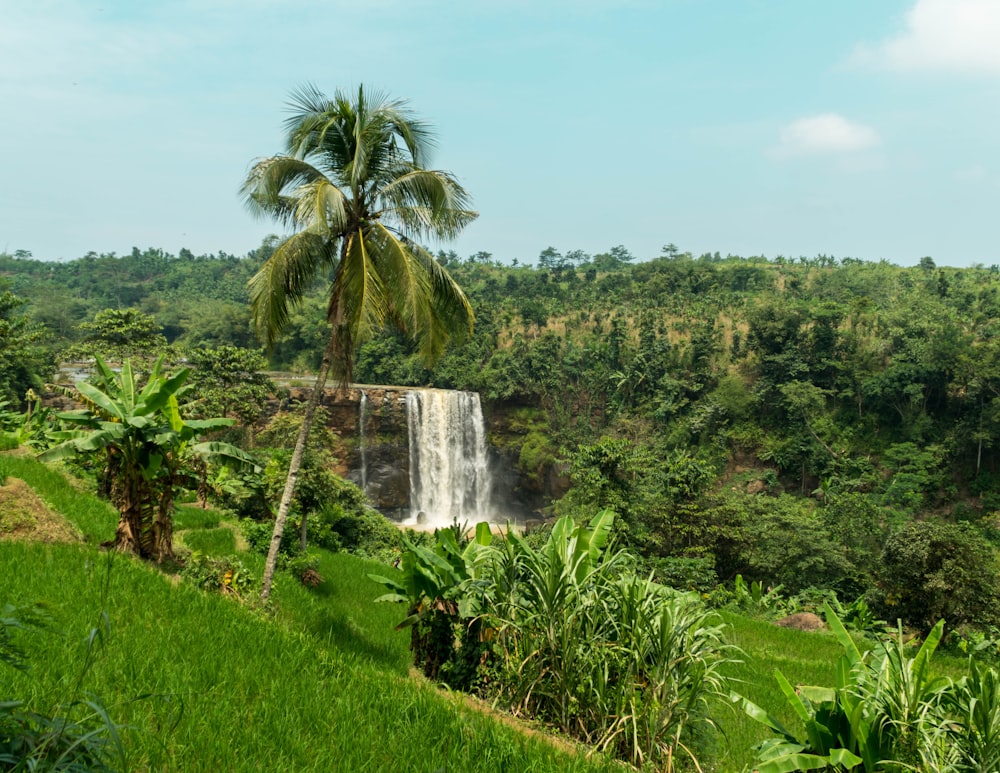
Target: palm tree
x=354, y=189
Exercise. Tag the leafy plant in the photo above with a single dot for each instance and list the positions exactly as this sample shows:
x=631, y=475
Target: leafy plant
x=305, y=569
x=874, y=717
x=931, y=570
x=433, y=585
x=751, y=598
x=965, y=730
x=225, y=574
x=144, y=444
x=607, y=656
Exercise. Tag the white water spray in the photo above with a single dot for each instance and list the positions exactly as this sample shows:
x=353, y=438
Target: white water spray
x=449, y=465
x=362, y=439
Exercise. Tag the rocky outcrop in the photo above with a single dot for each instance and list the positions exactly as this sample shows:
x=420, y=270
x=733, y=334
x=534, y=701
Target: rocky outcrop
x=377, y=456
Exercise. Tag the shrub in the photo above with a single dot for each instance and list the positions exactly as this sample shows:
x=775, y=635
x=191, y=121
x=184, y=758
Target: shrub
x=776, y=540
x=684, y=572
x=931, y=570
x=305, y=569
x=875, y=717
x=751, y=599
x=226, y=575
x=355, y=530
x=258, y=535
x=608, y=656
x=567, y=635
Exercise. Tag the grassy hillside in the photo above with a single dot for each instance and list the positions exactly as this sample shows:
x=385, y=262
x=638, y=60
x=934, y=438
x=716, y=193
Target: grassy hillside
x=204, y=683
x=322, y=683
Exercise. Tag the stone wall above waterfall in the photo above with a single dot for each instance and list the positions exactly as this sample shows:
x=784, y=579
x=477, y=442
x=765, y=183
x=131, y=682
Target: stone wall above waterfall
x=378, y=454
x=386, y=448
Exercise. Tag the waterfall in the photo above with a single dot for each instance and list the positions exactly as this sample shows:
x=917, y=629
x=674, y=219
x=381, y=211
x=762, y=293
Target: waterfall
x=449, y=467
x=362, y=439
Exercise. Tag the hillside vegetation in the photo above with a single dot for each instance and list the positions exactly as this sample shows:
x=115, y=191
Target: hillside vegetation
x=759, y=436
x=197, y=681
x=809, y=423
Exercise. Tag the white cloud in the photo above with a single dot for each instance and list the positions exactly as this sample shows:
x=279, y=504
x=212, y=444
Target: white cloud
x=972, y=174
x=826, y=133
x=942, y=35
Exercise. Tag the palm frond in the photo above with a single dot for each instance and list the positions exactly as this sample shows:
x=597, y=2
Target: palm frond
x=321, y=207
x=428, y=304
x=407, y=282
x=428, y=202
x=359, y=135
x=357, y=298
x=284, y=279
x=272, y=185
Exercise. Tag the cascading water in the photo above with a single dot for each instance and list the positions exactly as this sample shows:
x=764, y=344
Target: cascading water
x=362, y=439
x=449, y=458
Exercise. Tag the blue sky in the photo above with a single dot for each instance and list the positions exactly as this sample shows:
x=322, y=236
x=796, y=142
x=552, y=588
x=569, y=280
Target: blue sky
x=792, y=127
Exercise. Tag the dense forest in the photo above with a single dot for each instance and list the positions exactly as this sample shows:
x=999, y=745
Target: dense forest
x=810, y=423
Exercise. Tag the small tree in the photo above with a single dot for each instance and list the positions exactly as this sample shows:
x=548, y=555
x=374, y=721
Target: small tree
x=21, y=357
x=146, y=446
x=228, y=381
x=931, y=570
x=120, y=334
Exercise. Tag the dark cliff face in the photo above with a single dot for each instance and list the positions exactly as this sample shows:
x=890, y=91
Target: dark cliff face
x=381, y=460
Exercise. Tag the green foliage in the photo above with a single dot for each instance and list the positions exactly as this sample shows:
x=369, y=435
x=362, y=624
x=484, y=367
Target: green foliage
x=603, y=654
x=859, y=527
x=916, y=473
x=220, y=540
x=359, y=530
x=318, y=487
x=226, y=380
x=118, y=335
x=567, y=635
x=305, y=569
x=683, y=572
x=222, y=574
x=23, y=364
x=144, y=445
x=931, y=570
x=751, y=599
x=536, y=456
x=873, y=718
x=433, y=585
x=964, y=733
x=776, y=540
x=258, y=537
x=76, y=736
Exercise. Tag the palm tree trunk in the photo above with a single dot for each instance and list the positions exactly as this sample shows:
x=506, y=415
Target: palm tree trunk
x=295, y=465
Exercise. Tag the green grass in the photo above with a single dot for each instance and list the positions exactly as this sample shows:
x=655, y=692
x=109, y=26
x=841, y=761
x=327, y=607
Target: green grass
x=208, y=684
x=804, y=658
x=95, y=517
x=218, y=541
x=192, y=517
x=205, y=683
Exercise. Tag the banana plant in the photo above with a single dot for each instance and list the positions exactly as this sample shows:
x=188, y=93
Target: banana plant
x=869, y=720
x=145, y=446
x=434, y=585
